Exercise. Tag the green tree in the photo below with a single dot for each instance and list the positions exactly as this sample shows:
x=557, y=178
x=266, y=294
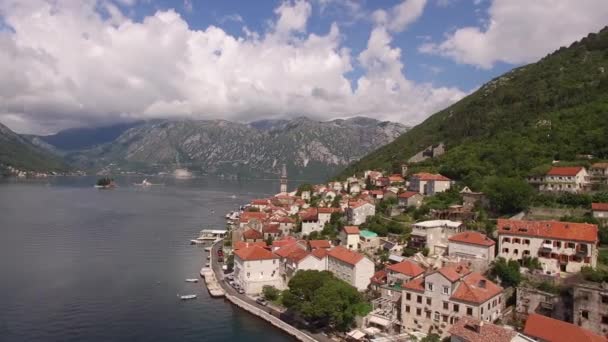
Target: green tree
x=508, y=195
x=270, y=292
x=303, y=187
x=336, y=202
x=431, y=338
x=507, y=271
x=269, y=240
x=324, y=299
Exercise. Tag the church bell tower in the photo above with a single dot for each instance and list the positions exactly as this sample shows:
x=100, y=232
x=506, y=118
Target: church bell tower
x=284, y=179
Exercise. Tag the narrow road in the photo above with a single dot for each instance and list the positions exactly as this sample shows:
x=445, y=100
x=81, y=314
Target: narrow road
x=219, y=274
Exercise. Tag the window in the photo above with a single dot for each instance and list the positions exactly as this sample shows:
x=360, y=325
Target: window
x=456, y=308
x=436, y=317
x=526, y=242
x=516, y=240
x=419, y=299
x=605, y=299
x=482, y=310
x=444, y=318
x=429, y=286
x=570, y=245
x=505, y=250
x=604, y=319
x=428, y=314
x=248, y=274
x=418, y=311
x=506, y=239
x=445, y=306
x=549, y=242
x=407, y=308
x=428, y=301
x=408, y=296
x=585, y=314
x=469, y=311
x=446, y=290
x=557, y=244
x=526, y=253
x=584, y=295
x=516, y=251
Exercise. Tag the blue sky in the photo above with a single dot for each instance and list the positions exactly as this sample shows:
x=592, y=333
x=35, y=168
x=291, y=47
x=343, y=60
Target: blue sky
x=66, y=63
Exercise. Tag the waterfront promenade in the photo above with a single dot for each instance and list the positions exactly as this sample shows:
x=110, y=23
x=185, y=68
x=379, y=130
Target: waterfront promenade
x=265, y=312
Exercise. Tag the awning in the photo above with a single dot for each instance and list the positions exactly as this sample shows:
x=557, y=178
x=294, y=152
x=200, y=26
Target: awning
x=356, y=334
x=380, y=321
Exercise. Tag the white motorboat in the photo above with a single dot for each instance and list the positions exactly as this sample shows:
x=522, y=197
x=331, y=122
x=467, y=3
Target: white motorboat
x=191, y=280
x=186, y=297
x=196, y=242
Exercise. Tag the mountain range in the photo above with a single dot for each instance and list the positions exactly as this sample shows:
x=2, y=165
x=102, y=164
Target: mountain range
x=309, y=148
x=518, y=123
x=23, y=153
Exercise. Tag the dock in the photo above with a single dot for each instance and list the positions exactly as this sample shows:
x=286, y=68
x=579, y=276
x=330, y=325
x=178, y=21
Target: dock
x=213, y=285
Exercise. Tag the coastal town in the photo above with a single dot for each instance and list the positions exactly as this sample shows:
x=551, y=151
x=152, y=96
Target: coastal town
x=419, y=274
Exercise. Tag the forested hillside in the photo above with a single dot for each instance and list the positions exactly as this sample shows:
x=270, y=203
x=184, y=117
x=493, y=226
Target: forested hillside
x=554, y=109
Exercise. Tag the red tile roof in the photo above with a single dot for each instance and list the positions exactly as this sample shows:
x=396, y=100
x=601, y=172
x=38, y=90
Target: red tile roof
x=599, y=206
x=407, y=194
x=396, y=179
x=319, y=253
x=475, y=288
x=416, y=284
x=453, y=273
x=248, y=215
x=473, y=238
x=285, y=241
x=328, y=210
x=568, y=171
x=549, y=329
x=284, y=219
x=254, y=253
x=376, y=192
x=284, y=252
x=252, y=234
x=345, y=255
x=271, y=228
x=243, y=244
x=425, y=176
x=357, y=204
x=259, y=202
x=570, y=231
x=351, y=230
x=472, y=330
x=297, y=255
x=407, y=267
x=379, y=278
x=319, y=244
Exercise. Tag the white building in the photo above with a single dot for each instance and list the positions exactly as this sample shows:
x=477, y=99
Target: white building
x=562, y=179
x=600, y=210
x=352, y=267
x=349, y=237
x=410, y=199
x=559, y=246
x=434, y=235
x=358, y=211
x=302, y=260
x=428, y=183
x=439, y=299
x=472, y=245
x=255, y=267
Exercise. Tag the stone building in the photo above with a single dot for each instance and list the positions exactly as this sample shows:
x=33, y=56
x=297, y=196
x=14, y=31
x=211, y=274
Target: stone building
x=591, y=307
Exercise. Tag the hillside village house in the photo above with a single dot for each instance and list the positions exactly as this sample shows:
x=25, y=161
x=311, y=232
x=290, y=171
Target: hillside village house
x=302, y=260
x=314, y=219
x=368, y=241
x=598, y=173
x=559, y=246
x=428, y=183
x=255, y=267
x=473, y=246
x=542, y=328
x=439, y=299
x=358, y=211
x=409, y=199
x=434, y=235
x=562, y=179
x=591, y=306
x=349, y=237
x=600, y=210
x=352, y=267
x=473, y=330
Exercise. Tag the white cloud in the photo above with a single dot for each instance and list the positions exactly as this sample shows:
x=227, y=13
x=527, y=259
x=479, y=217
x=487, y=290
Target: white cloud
x=401, y=15
x=64, y=64
x=522, y=31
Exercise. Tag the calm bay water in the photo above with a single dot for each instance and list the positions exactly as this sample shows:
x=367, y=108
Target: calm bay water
x=80, y=264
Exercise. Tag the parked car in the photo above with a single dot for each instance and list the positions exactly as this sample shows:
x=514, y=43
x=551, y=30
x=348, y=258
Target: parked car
x=261, y=301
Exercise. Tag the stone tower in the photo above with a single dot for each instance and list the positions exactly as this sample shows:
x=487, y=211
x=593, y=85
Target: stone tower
x=404, y=169
x=284, y=179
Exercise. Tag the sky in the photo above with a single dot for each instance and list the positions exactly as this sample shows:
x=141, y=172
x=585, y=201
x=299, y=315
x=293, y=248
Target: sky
x=72, y=63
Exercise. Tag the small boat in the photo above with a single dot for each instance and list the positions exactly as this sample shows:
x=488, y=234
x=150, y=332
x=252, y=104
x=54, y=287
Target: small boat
x=196, y=242
x=191, y=280
x=186, y=297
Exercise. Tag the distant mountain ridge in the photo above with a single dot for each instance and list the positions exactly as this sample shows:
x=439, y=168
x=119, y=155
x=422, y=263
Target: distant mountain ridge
x=554, y=109
x=19, y=152
x=86, y=137
x=309, y=148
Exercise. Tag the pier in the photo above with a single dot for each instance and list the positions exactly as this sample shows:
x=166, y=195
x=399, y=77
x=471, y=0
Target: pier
x=211, y=281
